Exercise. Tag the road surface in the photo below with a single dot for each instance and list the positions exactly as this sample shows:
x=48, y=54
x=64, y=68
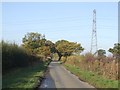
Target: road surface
x=58, y=77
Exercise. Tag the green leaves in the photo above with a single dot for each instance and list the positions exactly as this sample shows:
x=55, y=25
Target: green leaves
x=32, y=41
x=67, y=48
x=101, y=53
x=115, y=50
x=37, y=44
x=44, y=51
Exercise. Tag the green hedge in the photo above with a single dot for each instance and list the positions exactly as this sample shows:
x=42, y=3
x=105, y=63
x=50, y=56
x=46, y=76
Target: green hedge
x=14, y=56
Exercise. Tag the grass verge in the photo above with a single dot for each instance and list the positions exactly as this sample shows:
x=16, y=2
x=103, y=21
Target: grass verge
x=24, y=77
x=94, y=79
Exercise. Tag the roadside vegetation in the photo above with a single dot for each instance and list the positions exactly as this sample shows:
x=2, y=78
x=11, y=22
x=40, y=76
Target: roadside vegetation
x=23, y=66
x=93, y=78
x=14, y=56
x=98, y=70
x=25, y=78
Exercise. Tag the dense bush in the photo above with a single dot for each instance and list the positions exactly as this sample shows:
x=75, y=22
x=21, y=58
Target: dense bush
x=14, y=56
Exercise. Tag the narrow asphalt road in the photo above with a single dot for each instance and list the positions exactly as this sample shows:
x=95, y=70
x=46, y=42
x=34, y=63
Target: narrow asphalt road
x=58, y=77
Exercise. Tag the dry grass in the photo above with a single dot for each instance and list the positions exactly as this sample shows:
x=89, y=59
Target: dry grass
x=107, y=67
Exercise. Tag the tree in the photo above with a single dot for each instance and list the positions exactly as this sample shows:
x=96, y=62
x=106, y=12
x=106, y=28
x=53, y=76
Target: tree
x=43, y=51
x=46, y=49
x=66, y=48
x=101, y=54
x=115, y=50
x=32, y=41
x=38, y=45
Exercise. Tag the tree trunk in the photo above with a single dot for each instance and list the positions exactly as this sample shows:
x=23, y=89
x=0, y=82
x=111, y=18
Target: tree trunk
x=60, y=55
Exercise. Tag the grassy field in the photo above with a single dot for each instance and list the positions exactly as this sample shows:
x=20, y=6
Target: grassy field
x=94, y=79
x=24, y=77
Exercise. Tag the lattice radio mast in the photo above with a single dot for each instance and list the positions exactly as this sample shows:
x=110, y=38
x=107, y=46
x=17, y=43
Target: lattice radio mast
x=94, y=35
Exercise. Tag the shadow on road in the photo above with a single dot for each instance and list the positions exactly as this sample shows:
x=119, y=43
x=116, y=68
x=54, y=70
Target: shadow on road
x=48, y=82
